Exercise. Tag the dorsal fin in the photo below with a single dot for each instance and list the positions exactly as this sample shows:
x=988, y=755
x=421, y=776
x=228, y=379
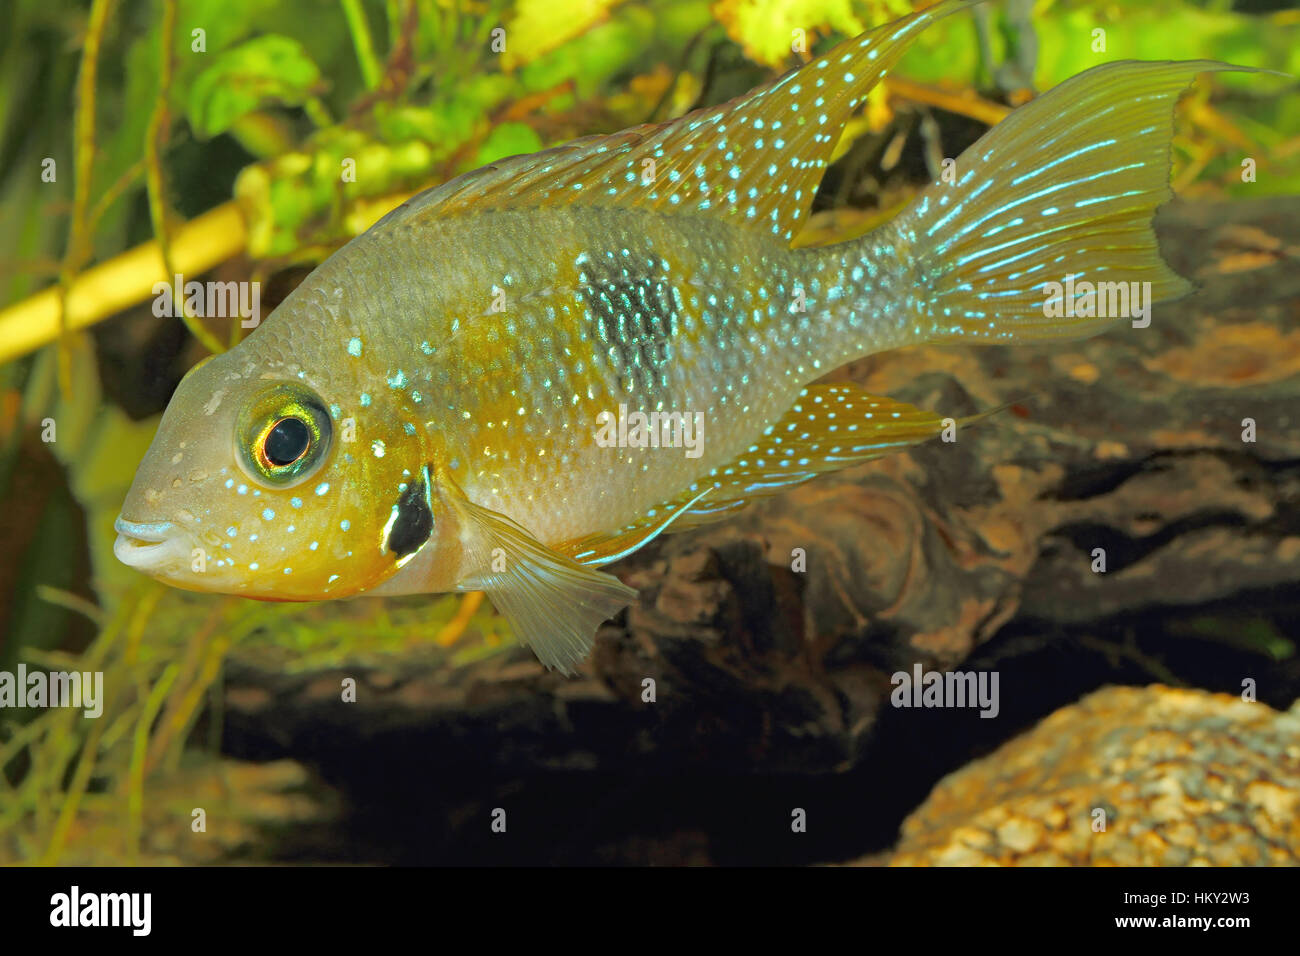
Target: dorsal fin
x=756, y=159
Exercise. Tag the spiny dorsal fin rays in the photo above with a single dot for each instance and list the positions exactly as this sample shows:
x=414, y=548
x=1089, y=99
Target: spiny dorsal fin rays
x=501, y=184
x=756, y=159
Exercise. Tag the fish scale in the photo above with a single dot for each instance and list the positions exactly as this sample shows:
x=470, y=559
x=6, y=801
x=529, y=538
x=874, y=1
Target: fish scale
x=430, y=409
x=730, y=331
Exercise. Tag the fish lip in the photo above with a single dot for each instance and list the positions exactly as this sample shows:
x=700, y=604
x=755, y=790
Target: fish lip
x=146, y=545
x=151, y=531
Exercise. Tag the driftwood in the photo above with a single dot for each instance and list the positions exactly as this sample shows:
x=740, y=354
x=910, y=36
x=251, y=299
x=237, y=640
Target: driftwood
x=1131, y=442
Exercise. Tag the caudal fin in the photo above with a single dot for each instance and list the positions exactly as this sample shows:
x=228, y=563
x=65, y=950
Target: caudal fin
x=1060, y=192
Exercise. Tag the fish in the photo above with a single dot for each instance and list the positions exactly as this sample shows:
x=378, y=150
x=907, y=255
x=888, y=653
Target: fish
x=526, y=373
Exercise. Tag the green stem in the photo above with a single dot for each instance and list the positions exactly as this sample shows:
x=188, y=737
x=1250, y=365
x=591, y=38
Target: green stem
x=139, y=746
x=317, y=112
x=395, y=21
x=83, y=162
x=371, y=71
x=155, y=184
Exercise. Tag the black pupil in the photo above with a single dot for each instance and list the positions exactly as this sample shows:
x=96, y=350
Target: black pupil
x=287, y=441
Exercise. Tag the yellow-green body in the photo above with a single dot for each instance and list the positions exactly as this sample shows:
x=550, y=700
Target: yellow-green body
x=431, y=408
x=500, y=339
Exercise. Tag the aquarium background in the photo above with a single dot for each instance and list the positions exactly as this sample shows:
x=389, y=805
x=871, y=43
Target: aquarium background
x=741, y=712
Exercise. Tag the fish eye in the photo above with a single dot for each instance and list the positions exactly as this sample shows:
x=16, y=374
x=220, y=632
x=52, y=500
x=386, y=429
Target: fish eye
x=286, y=442
x=283, y=435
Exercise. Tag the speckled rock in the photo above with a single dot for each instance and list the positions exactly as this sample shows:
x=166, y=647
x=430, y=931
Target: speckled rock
x=1175, y=777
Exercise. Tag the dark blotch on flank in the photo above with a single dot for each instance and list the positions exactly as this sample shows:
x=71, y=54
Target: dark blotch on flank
x=637, y=318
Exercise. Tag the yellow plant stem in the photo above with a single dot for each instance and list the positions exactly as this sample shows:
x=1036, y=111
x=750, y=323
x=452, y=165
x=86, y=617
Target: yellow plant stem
x=189, y=666
x=129, y=279
x=124, y=281
x=964, y=103
x=178, y=723
x=452, y=631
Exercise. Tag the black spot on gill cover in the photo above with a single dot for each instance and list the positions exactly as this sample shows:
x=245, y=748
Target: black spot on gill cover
x=414, y=522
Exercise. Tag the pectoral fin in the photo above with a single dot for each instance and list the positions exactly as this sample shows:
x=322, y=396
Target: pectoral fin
x=553, y=603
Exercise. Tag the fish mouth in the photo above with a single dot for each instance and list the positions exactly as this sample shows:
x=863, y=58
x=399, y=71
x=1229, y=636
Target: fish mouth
x=147, y=545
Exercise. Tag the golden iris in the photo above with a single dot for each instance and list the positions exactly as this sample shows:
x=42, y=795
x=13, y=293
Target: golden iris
x=284, y=434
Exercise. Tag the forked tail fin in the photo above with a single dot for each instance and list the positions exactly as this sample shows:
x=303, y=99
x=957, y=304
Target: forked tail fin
x=1047, y=222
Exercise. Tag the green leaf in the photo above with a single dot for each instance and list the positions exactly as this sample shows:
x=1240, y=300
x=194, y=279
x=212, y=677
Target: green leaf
x=263, y=71
x=508, y=139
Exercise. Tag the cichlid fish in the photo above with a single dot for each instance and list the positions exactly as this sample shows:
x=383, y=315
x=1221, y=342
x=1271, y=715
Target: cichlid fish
x=536, y=368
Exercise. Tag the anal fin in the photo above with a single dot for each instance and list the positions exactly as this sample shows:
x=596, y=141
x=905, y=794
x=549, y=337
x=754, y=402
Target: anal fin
x=830, y=427
x=603, y=548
